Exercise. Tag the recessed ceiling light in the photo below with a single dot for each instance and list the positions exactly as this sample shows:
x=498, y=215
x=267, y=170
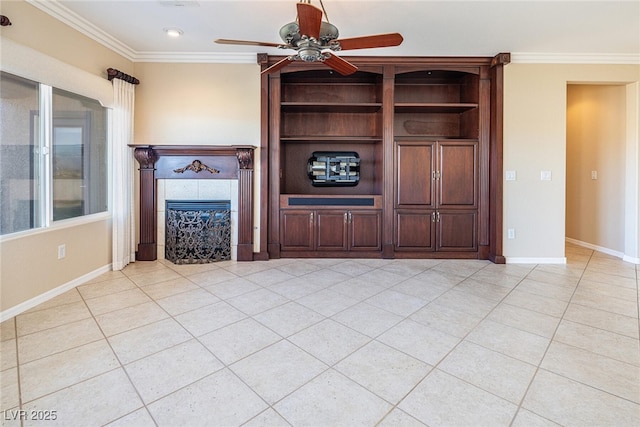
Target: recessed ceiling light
x=173, y=32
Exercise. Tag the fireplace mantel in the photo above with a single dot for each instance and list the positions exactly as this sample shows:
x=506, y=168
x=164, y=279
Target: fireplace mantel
x=194, y=162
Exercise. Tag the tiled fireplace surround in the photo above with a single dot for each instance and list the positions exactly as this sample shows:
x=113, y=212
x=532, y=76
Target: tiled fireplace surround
x=199, y=190
x=194, y=173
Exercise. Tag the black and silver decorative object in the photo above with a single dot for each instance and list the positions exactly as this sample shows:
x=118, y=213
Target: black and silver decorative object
x=334, y=169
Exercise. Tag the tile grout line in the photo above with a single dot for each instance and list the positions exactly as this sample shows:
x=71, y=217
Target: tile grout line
x=330, y=367
x=118, y=359
x=460, y=340
x=197, y=339
x=538, y=367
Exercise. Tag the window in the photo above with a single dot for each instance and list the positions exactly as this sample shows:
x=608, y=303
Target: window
x=53, y=155
x=79, y=156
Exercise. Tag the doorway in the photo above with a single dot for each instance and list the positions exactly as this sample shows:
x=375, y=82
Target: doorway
x=597, y=177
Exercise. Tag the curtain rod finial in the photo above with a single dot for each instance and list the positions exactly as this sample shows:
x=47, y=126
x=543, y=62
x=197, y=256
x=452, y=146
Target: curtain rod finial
x=112, y=73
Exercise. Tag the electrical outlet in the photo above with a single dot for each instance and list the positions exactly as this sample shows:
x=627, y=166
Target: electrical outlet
x=594, y=174
x=62, y=251
x=511, y=233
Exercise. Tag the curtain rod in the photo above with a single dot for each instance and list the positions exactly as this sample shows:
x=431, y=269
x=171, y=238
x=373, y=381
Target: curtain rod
x=112, y=73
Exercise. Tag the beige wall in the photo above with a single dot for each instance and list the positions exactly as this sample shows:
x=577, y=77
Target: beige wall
x=535, y=110
x=30, y=265
x=197, y=104
x=596, y=142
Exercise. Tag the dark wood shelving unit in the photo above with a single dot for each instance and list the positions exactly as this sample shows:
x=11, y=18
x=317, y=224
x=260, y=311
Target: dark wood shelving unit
x=428, y=136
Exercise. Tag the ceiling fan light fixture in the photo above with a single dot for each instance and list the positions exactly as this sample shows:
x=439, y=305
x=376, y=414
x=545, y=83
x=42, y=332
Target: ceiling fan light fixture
x=328, y=32
x=173, y=32
x=290, y=33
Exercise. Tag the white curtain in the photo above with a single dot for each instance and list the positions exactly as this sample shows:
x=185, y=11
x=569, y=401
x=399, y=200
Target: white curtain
x=122, y=174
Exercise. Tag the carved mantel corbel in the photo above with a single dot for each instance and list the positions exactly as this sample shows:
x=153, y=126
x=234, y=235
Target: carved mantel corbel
x=145, y=157
x=245, y=158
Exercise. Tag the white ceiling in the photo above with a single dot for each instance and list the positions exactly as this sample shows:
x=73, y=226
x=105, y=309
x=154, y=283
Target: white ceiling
x=601, y=30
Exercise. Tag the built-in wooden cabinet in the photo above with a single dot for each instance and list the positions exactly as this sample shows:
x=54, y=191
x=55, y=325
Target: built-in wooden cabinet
x=330, y=230
x=436, y=200
x=426, y=134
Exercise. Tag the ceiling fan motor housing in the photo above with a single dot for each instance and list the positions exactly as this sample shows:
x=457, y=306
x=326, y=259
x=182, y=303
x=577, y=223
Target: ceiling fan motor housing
x=310, y=54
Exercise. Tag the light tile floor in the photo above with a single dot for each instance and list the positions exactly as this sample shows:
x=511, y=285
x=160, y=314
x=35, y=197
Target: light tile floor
x=332, y=343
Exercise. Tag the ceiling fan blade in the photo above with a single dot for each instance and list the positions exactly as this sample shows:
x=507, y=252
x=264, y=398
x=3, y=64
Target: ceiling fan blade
x=342, y=66
x=369, y=42
x=279, y=65
x=309, y=20
x=247, y=43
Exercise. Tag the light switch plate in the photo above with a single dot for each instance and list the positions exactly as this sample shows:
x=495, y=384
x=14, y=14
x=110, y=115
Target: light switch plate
x=594, y=174
x=510, y=175
x=545, y=175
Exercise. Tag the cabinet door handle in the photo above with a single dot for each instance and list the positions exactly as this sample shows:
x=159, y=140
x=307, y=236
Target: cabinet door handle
x=311, y=217
x=433, y=217
x=437, y=216
x=349, y=217
x=345, y=217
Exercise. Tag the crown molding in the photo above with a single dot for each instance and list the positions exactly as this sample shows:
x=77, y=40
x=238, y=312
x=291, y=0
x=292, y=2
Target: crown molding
x=575, y=58
x=63, y=14
x=197, y=57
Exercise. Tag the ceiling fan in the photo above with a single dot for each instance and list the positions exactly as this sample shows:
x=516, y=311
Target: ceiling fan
x=314, y=40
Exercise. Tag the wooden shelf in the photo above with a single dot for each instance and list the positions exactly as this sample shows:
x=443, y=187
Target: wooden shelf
x=331, y=107
x=433, y=107
x=304, y=139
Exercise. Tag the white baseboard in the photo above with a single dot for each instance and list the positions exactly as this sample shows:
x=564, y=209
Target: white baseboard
x=594, y=247
x=22, y=307
x=632, y=260
x=534, y=260
x=618, y=254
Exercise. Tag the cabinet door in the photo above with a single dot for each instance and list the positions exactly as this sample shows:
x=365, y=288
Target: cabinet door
x=414, y=172
x=414, y=230
x=331, y=229
x=296, y=230
x=365, y=230
x=457, y=231
x=458, y=167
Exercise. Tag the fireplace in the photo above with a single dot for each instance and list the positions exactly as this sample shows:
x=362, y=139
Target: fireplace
x=200, y=169
x=197, y=231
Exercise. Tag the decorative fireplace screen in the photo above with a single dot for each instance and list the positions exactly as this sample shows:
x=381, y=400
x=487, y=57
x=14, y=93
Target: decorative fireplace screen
x=198, y=231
